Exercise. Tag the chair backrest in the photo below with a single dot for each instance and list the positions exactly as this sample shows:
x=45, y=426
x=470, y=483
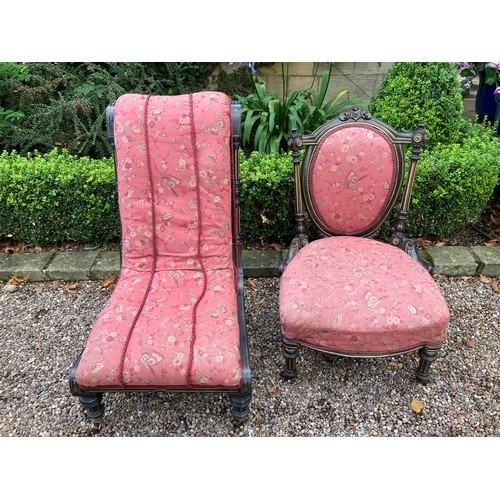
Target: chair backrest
x=175, y=181
x=352, y=173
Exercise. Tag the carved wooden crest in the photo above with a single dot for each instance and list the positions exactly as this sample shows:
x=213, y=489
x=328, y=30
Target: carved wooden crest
x=355, y=114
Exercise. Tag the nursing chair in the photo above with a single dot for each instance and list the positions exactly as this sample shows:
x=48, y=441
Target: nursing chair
x=175, y=320
x=347, y=293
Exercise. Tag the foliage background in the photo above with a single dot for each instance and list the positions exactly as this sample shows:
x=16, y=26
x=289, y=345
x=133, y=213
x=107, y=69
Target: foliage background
x=63, y=104
x=57, y=180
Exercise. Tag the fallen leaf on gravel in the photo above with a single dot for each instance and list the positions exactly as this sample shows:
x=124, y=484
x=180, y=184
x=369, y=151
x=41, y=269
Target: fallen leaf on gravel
x=251, y=282
x=15, y=280
x=416, y=405
x=484, y=279
x=491, y=243
x=396, y=365
x=423, y=242
x=259, y=304
x=72, y=286
x=495, y=287
x=441, y=243
x=466, y=278
x=274, y=392
x=471, y=343
x=276, y=247
x=108, y=281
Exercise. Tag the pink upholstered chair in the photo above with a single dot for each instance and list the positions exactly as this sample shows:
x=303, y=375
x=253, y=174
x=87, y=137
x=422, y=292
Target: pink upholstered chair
x=175, y=321
x=345, y=293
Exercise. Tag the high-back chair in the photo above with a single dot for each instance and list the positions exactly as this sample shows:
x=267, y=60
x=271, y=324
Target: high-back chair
x=175, y=320
x=346, y=293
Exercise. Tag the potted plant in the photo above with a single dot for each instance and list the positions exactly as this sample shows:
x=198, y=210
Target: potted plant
x=488, y=92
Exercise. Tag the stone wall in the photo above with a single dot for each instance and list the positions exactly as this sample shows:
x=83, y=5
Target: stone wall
x=361, y=79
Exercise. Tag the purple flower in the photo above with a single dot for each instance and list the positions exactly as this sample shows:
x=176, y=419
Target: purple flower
x=251, y=65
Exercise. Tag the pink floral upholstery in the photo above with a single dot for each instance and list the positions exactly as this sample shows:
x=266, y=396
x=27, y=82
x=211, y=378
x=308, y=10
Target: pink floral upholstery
x=171, y=321
x=352, y=178
x=358, y=296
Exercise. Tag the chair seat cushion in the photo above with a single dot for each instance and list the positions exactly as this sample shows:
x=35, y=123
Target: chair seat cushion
x=144, y=336
x=357, y=296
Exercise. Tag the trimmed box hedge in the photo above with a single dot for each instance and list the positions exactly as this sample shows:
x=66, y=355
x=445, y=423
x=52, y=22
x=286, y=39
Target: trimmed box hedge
x=57, y=197
x=51, y=198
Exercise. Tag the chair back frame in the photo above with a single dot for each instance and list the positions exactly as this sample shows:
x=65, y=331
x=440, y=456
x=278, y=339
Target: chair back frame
x=303, y=199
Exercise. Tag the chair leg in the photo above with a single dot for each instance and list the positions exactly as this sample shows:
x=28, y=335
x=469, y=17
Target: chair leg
x=290, y=350
x=240, y=405
x=93, y=406
x=427, y=356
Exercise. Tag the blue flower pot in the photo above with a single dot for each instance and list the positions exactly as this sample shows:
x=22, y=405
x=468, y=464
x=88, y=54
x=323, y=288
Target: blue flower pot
x=486, y=104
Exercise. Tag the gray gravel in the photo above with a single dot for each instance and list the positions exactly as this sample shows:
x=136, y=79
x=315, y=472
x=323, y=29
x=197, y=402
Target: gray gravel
x=44, y=326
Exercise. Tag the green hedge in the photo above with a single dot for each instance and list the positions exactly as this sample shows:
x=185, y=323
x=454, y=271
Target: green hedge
x=56, y=197
x=452, y=187
x=414, y=92
x=454, y=183
x=47, y=199
x=267, y=197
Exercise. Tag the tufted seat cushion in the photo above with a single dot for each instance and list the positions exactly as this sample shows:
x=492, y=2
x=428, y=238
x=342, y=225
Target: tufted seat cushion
x=357, y=296
x=172, y=320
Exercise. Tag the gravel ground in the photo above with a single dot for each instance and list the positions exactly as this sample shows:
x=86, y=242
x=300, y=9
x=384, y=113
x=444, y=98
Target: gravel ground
x=45, y=325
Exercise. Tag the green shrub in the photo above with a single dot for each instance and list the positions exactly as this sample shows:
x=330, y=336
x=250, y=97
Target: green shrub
x=63, y=104
x=10, y=72
x=56, y=197
x=239, y=82
x=267, y=197
x=267, y=119
x=454, y=183
x=452, y=186
x=414, y=92
x=46, y=199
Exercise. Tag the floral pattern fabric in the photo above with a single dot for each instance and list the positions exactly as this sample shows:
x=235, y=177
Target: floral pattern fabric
x=358, y=296
x=352, y=178
x=171, y=321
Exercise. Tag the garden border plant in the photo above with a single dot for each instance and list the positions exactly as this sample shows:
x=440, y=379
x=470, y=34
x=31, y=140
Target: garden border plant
x=268, y=119
x=63, y=103
x=460, y=163
x=52, y=198
x=48, y=199
x=56, y=197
